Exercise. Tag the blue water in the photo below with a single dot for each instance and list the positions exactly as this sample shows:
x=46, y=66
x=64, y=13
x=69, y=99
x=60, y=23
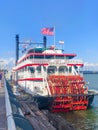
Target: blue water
x=86, y=119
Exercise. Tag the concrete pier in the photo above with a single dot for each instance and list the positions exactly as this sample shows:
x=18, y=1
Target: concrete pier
x=3, y=120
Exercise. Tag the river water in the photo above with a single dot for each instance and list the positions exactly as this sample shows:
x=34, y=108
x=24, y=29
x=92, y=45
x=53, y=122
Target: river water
x=86, y=119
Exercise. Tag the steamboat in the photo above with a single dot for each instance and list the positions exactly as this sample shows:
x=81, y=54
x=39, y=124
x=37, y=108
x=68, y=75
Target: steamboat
x=53, y=78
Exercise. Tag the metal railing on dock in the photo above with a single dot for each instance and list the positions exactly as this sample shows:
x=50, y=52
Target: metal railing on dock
x=15, y=118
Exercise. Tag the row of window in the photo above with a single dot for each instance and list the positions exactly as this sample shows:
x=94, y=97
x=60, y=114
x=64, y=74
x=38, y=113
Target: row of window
x=45, y=57
x=50, y=69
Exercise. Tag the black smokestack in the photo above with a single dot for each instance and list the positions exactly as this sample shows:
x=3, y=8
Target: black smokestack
x=17, y=47
x=44, y=41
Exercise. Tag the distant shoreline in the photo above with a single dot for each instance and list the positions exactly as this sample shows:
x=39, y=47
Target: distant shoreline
x=90, y=72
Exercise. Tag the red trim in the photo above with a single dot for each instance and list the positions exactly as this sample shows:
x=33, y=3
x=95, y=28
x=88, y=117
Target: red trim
x=79, y=64
x=29, y=65
x=34, y=79
x=71, y=64
x=75, y=64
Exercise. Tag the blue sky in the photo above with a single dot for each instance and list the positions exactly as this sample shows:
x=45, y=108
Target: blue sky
x=75, y=21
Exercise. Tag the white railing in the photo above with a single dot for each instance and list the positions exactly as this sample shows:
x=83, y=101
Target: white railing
x=49, y=61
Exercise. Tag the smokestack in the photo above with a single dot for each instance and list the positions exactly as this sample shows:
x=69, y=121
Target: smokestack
x=17, y=47
x=44, y=41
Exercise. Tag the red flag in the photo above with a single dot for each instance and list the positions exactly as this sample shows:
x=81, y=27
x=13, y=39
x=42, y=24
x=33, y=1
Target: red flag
x=47, y=31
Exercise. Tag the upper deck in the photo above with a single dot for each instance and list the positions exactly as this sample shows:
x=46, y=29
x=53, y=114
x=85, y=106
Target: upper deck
x=47, y=56
x=46, y=53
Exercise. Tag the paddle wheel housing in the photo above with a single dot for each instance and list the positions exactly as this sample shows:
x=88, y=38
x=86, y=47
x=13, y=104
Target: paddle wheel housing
x=69, y=93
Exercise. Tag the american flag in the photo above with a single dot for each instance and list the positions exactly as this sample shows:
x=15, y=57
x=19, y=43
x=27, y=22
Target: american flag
x=47, y=31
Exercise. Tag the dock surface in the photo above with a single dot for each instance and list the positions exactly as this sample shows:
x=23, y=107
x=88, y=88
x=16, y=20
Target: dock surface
x=3, y=121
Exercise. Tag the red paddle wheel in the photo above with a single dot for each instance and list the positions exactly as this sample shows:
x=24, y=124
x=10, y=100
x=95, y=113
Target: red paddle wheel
x=68, y=93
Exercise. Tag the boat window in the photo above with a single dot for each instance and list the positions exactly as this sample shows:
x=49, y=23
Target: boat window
x=51, y=69
x=76, y=68
x=59, y=57
x=49, y=56
x=39, y=56
x=31, y=57
x=70, y=69
x=31, y=69
x=63, y=69
x=44, y=68
x=38, y=69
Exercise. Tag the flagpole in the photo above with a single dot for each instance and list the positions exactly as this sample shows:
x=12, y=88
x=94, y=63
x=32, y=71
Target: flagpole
x=54, y=35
